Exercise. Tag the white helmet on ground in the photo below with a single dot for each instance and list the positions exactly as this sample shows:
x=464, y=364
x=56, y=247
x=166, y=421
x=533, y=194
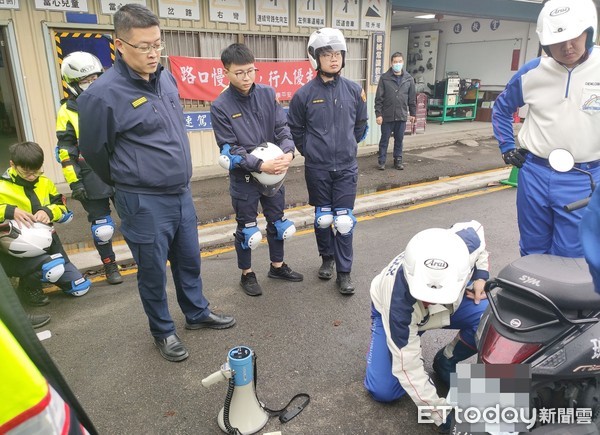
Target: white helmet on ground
x=436, y=266
x=25, y=242
x=562, y=20
x=270, y=182
x=325, y=39
x=77, y=66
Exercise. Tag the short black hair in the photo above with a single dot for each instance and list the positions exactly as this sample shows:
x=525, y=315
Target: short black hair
x=238, y=54
x=28, y=155
x=134, y=16
x=396, y=54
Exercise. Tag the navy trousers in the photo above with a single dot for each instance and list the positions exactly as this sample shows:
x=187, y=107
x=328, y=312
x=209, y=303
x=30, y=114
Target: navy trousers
x=387, y=128
x=245, y=197
x=158, y=228
x=338, y=190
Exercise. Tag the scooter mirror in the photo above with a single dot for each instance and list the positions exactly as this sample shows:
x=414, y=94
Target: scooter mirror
x=561, y=160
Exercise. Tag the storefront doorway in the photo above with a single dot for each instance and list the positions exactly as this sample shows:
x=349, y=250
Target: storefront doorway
x=11, y=130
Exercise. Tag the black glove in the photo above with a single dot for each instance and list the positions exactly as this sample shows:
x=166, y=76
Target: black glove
x=515, y=157
x=79, y=194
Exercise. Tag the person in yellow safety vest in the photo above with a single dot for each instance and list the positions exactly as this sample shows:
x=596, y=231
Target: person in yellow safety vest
x=28, y=403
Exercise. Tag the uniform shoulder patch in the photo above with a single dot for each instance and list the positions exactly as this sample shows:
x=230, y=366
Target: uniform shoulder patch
x=137, y=103
x=236, y=115
x=363, y=96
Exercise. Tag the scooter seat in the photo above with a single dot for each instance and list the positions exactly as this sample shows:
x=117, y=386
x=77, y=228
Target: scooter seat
x=565, y=281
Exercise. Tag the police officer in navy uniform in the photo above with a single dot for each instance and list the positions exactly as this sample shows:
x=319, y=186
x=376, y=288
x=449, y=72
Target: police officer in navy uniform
x=244, y=117
x=328, y=118
x=135, y=139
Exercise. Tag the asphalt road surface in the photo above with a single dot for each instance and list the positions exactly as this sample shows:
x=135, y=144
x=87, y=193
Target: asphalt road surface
x=307, y=337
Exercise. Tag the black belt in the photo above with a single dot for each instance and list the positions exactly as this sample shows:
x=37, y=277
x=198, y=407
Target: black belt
x=544, y=162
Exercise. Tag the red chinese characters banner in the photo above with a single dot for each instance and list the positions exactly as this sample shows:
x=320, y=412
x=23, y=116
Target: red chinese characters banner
x=204, y=79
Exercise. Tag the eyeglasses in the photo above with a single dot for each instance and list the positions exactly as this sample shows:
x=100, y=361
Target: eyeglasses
x=146, y=48
x=25, y=173
x=243, y=74
x=332, y=54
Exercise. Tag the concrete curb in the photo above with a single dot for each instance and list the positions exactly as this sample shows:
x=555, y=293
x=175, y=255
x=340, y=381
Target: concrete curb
x=215, y=234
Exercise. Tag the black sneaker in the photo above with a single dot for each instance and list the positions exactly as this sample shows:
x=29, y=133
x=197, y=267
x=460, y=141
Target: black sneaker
x=284, y=272
x=111, y=270
x=33, y=297
x=37, y=321
x=345, y=284
x=250, y=284
x=381, y=166
x=326, y=269
x=398, y=164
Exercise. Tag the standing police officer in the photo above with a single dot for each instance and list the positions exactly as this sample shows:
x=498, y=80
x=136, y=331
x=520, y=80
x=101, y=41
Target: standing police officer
x=327, y=118
x=79, y=70
x=135, y=138
x=244, y=117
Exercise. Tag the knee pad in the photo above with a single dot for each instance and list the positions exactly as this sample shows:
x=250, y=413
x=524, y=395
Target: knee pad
x=323, y=216
x=103, y=230
x=53, y=268
x=252, y=236
x=344, y=221
x=285, y=229
x=79, y=287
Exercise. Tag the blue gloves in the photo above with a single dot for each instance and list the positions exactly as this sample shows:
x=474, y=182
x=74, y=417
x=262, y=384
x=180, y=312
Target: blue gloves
x=227, y=160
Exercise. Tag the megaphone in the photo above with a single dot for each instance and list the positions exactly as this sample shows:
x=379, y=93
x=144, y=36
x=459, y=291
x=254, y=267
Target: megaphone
x=242, y=412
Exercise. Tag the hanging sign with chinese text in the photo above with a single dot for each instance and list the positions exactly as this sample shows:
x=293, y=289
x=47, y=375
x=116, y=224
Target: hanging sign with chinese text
x=9, y=4
x=272, y=13
x=62, y=5
x=227, y=11
x=373, y=15
x=181, y=9
x=345, y=14
x=112, y=6
x=204, y=79
x=310, y=13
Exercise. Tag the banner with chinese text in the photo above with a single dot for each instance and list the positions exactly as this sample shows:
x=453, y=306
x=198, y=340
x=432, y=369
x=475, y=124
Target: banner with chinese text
x=204, y=79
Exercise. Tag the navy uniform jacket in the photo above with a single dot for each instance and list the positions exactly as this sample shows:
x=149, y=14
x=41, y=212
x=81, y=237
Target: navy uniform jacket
x=246, y=121
x=327, y=120
x=133, y=133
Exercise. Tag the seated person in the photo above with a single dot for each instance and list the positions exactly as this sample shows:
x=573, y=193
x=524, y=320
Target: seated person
x=437, y=282
x=28, y=198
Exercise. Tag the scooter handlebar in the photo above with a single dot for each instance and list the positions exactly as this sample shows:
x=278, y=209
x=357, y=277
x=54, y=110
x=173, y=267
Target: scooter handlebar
x=577, y=204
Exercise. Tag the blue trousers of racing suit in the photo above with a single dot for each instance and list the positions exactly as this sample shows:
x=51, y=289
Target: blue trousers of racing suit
x=398, y=127
x=338, y=190
x=158, y=228
x=379, y=380
x=544, y=226
x=245, y=196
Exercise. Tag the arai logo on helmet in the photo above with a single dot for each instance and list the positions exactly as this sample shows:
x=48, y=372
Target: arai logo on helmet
x=560, y=11
x=436, y=264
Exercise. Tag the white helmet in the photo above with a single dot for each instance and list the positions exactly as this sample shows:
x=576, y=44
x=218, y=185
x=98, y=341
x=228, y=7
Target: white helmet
x=77, y=66
x=325, y=39
x=436, y=266
x=25, y=242
x=562, y=20
x=270, y=183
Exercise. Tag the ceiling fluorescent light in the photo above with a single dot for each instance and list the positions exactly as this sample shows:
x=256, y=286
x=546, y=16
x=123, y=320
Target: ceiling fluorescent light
x=426, y=17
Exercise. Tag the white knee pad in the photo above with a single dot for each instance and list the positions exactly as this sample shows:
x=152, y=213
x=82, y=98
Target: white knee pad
x=103, y=230
x=252, y=237
x=53, y=269
x=344, y=221
x=323, y=217
x=285, y=229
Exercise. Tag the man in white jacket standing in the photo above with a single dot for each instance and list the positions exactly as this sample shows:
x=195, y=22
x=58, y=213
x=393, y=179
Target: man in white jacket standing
x=437, y=282
x=563, y=94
